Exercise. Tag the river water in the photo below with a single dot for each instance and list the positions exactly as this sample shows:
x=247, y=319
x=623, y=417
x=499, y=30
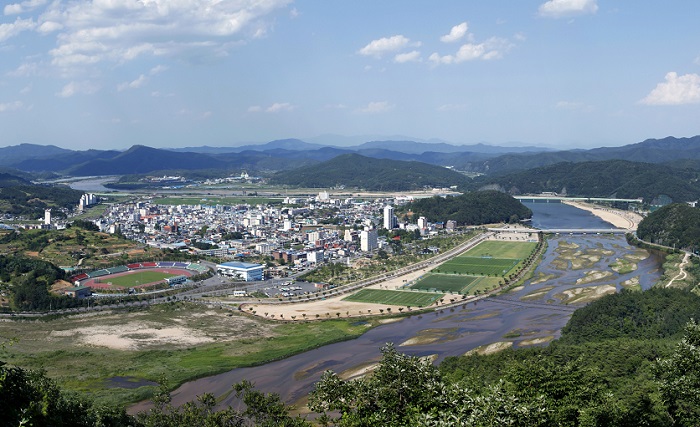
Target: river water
x=531, y=315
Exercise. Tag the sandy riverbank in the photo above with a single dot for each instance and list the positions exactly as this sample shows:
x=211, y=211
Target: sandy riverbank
x=619, y=218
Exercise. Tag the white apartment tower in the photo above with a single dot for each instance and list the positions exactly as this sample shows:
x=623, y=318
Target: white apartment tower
x=368, y=240
x=47, y=217
x=422, y=223
x=390, y=221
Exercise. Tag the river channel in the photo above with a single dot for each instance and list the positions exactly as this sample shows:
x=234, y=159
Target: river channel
x=575, y=269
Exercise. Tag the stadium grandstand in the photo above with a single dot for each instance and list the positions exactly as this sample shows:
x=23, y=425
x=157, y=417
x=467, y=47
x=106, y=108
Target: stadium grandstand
x=195, y=267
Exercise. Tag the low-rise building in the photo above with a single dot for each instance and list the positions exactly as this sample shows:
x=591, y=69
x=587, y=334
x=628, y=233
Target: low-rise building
x=244, y=270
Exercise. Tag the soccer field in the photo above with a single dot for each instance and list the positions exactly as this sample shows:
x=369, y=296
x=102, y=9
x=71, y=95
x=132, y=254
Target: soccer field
x=498, y=249
x=403, y=298
x=444, y=282
x=136, y=279
x=477, y=266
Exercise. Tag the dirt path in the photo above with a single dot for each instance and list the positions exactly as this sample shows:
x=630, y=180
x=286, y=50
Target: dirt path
x=682, y=275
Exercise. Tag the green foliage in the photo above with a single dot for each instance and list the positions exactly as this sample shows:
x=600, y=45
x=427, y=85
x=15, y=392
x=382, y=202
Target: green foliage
x=354, y=170
x=262, y=410
x=480, y=207
x=676, y=225
x=29, y=398
x=85, y=225
x=21, y=197
x=656, y=313
x=620, y=178
x=679, y=379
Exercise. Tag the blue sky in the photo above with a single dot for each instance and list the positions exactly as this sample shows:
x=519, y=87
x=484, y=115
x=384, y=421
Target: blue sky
x=172, y=73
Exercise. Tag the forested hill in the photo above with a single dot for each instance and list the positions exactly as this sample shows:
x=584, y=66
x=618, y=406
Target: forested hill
x=480, y=207
x=610, y=178
x=676, y=225
x=356, y=171
x=21, y=197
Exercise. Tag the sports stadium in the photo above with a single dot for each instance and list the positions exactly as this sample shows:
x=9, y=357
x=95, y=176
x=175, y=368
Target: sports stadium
x=138, y=275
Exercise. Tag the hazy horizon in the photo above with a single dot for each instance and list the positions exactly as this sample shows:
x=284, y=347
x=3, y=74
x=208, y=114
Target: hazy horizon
x=556, y=74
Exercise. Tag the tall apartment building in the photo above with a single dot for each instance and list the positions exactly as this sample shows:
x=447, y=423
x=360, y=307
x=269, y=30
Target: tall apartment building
x=368, y=240
x=390, y=221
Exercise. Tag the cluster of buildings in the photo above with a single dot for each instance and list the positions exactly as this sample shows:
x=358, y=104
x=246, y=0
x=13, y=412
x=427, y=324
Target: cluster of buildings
x=301, y=231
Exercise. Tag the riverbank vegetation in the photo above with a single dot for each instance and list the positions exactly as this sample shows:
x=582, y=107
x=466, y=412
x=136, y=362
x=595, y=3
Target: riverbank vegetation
x=169, y=343
x=476, y=208
x=676, y=225
x=618, y=362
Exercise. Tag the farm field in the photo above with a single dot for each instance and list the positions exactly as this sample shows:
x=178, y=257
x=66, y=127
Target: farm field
x=403, y=298
x=136, y=279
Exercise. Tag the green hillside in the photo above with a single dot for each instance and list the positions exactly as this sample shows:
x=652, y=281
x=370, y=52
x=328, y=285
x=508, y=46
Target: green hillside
x=676, y=225
x=480, y=207
x=356, y=171
x=20, y=197
x=610, y=178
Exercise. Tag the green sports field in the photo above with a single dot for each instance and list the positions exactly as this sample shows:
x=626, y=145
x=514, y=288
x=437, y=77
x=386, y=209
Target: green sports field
x=136, y=279
x=477, y=266
x=444, y=282
x=498, y=249
x=403, y=298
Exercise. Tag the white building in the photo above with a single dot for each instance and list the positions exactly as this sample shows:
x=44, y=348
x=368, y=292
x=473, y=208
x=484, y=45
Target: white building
x=47, y=217
x=244, y=270
x=422, y=223
x=390, y=221
x=314, y=257
x=368, y=240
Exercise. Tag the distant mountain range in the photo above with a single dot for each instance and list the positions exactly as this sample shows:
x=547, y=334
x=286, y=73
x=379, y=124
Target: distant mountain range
x=356, y=171
x=288, y=154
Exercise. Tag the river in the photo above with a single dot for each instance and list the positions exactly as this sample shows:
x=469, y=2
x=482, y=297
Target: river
x=530, y=315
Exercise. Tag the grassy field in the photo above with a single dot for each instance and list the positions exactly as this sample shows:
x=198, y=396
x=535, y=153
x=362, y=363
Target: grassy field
x=444, y=282
x=477, y=266
x=498, y=249
x=136, y=279
x=153, y=346
x=403, y=298
x=215, y=200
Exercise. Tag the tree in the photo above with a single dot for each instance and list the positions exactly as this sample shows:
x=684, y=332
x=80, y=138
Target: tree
x=679, y=378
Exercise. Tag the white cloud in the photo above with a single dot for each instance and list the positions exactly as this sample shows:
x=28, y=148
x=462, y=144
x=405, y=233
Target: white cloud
x=135, y=84
x=279, y=106
x=412, y=56
x=274, y=108
x=565, y=8
x=676, y=90
x=10, y=30
x=25, y=6
x=118, y=31
x=493, y=48
x=76, y=88
x=456, y=33
x=26, y=89
x=376, y=107
x=380, y=47
x=11, y=106
x=158, y=69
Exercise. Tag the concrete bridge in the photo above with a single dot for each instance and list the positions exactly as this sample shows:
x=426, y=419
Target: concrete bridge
x=542, y=198
x=562, y=230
